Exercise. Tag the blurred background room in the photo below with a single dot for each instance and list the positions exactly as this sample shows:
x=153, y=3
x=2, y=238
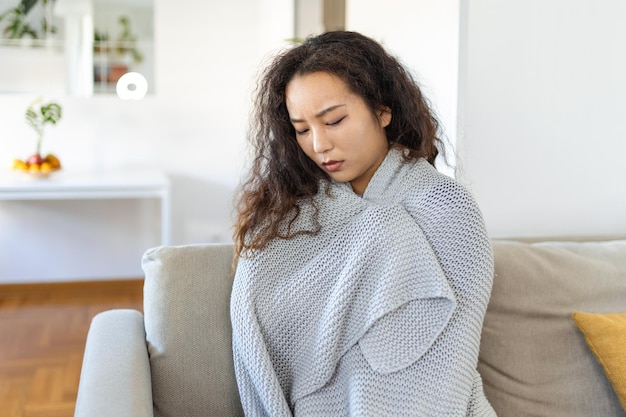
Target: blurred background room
x=531, y=97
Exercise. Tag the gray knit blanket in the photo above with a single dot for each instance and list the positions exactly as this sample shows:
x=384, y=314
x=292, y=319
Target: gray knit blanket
x=379, y=314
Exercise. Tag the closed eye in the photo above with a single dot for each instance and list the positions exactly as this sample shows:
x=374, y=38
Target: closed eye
x=336, y=122
x=301, y=132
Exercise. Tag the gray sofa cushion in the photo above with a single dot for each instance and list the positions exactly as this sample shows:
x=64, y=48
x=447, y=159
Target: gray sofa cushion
x=533, y=359
x=187, y=321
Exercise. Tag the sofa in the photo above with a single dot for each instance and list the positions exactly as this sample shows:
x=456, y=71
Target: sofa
x=175, y=358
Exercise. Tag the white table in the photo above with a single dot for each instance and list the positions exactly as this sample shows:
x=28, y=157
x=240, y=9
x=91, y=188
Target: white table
x=66, y=185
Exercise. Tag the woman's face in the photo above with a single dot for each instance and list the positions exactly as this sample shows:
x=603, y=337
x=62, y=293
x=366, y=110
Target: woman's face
x=336, y=129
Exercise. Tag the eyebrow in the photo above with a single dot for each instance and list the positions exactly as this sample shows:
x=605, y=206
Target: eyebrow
x=320, y=114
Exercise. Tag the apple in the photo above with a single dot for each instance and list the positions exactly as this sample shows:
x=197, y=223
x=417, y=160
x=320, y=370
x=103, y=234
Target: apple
x=34, y=159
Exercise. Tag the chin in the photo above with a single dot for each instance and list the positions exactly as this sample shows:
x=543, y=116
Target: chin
x=339, y=178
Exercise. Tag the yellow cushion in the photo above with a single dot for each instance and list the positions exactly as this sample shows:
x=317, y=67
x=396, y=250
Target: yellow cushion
x=605, y=335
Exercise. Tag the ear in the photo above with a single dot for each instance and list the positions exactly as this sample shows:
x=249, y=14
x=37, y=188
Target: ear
x=384, y=116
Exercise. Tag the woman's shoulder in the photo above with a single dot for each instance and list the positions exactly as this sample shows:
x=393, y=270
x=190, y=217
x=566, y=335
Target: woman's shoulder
x=432, y=195
x=428, y=181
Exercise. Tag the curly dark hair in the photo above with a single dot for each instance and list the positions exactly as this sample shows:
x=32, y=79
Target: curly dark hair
x=282, y=176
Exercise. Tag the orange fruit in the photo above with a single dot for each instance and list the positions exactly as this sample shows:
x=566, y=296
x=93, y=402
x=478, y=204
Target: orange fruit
x=53, y=160
x=19, y=165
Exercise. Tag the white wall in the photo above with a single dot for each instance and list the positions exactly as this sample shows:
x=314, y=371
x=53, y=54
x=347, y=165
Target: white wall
x=543, y=115
x=424, y=34
x=193, y=128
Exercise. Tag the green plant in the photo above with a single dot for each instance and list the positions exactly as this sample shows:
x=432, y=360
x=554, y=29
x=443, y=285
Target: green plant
x=17, y=25
x=100, y=40
x=127, y=40
x=39, y=114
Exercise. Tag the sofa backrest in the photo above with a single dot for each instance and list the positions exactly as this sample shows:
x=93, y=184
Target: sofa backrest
x=533, y=359
x=186, y=313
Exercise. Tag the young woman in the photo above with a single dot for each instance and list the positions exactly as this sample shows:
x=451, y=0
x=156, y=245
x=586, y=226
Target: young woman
x=363, y=273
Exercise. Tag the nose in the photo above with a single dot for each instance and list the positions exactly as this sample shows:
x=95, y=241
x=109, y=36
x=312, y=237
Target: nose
x=321, y=141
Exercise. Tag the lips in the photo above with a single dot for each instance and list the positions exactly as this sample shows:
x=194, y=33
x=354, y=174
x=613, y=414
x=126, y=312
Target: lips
x=332, y=166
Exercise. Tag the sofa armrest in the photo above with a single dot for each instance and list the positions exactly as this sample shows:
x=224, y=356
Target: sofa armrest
x=115, y=378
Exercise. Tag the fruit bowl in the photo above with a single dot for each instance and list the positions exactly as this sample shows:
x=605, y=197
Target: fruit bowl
x=37, y=167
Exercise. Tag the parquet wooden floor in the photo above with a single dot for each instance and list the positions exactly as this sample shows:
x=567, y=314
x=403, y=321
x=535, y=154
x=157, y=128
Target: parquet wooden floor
x=43, y=328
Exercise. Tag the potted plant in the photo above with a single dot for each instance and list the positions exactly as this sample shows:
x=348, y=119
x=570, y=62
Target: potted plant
x=17, y=25
x=112, y=58
x=127, y=41
x=38, y=116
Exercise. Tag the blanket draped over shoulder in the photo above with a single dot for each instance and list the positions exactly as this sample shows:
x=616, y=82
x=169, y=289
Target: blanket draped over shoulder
x=378, y=314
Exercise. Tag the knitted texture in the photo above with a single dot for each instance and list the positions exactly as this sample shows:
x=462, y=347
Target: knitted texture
x=379, y=314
